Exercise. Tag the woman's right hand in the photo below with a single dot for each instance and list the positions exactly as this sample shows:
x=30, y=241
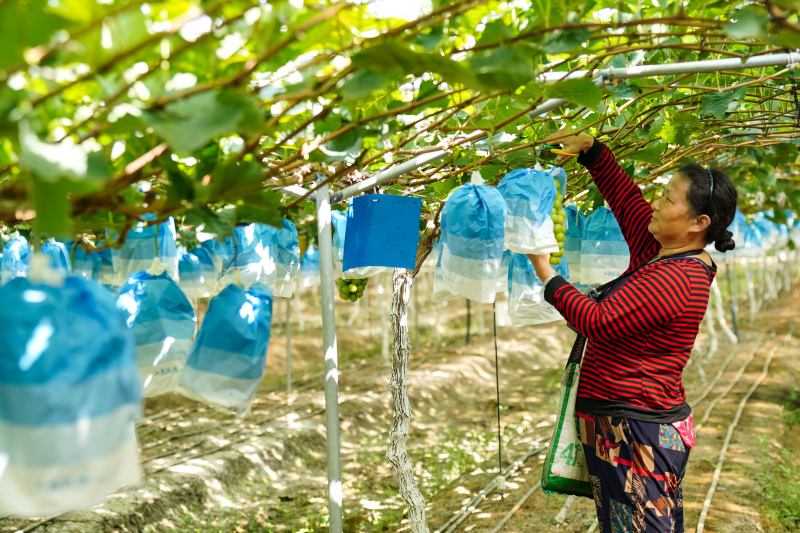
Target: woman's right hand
x=574, y=144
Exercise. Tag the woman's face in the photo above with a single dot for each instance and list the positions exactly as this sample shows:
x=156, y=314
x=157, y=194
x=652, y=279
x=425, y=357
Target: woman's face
x=673, y=221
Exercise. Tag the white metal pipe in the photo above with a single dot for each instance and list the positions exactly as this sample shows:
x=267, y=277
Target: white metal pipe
x=331, y=359
x=695, y=67
x=669, y=69
x=388, y=175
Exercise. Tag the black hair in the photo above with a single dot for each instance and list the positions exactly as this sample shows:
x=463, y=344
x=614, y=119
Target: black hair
x=719, y=202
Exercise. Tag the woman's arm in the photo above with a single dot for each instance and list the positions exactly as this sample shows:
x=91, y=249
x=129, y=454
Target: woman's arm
x=656, y=297
x=623, y=196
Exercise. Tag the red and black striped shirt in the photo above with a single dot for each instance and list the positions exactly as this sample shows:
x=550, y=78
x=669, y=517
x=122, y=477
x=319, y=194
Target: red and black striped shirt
x=642, y=333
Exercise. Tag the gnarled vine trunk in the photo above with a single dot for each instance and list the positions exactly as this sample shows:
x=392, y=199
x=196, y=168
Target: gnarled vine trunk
x=398, y=382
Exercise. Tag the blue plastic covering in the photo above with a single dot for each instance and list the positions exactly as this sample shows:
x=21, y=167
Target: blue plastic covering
x=69, y=398
x=110, y=263
x=752, y=246
x=58, y=255
x=309, y=267
x=382, y=231
x=526, y=305
x=576, y=228
x=251, y=255
x=86, y=266
x=190, y=276
x=229, y=356
x=502, y=274
x=139, y=249
x=529, y=195
x=769, y=231
x=16, y=259
x=215, y=250
x=604, y=252
x=339, y=220
x=163, y=324
x=266, y=254
x=208, y=268
x=287, y=248
x=472, y=235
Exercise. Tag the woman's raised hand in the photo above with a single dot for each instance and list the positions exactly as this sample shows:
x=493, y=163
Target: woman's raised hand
x=570, y=142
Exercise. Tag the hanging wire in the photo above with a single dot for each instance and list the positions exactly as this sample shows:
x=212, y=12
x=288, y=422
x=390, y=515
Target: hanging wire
x=501, y=480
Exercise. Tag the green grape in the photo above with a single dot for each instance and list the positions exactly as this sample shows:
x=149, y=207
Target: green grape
x=344, y=296
x=557, y=254
x=353, y=287
x=360, y=294
x=558, y=228
x=554, y=260
x=353, y=297
x=342, y=282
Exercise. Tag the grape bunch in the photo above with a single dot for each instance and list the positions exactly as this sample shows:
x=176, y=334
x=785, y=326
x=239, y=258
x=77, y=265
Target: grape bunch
x=559, y=217
x=352, y=289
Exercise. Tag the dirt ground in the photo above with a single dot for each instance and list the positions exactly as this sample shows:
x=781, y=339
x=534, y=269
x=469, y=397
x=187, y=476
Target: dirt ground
x=208, y=472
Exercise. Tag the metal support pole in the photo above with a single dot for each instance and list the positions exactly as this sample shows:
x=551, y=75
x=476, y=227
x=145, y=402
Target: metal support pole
x=288, y=345
x=331, y=360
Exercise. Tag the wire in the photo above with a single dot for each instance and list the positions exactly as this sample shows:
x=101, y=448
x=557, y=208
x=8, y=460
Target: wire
x=501, y=479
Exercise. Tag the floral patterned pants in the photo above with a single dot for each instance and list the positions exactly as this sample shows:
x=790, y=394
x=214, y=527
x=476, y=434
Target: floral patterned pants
x=635, y=469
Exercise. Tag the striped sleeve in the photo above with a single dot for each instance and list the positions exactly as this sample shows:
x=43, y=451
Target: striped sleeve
x=655, y=297
x=625, y=199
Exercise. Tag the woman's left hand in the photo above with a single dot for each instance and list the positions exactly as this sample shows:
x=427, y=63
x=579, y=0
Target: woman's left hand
x=541, y=263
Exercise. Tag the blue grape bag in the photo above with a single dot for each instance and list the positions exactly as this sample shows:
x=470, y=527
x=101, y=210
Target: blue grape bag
x=208, y=268
x=287, y=257
x=228, y=358
x=529, y=195
x=604, y=252
x=163, y=324
x=190, y=276
x=573, y=237
x=339, y=220
x=309, y=267
x=69, y=397
x=526, y=304
x=139, y=249
x=16, y=259
x=58, y=255
x=473, y=232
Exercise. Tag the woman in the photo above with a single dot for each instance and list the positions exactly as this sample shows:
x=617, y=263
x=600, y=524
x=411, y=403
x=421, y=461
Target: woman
x=640, y=332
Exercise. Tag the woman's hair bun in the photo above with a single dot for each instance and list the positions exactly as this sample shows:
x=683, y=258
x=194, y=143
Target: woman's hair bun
x=724, y=242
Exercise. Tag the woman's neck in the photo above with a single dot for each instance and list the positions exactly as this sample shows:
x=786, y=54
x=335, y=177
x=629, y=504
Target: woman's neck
x=672, y=249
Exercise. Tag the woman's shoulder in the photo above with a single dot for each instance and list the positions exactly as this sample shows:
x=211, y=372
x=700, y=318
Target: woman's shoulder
x=691, y=270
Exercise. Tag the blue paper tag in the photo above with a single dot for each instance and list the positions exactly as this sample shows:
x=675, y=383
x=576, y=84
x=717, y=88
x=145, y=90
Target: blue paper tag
x=382, y=230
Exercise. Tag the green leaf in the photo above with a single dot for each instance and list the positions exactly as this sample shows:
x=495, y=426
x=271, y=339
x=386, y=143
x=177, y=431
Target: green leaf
x=787, y=38
x=564, y=41
x=495, y=31
x=622, y=90
x=428, y=89
x=397, y=59
x=362, y=83
x=756, y=155
x=51, y=162
x=749, y=24
x=429, y=41
x=502, y=68
x=234, y=182
x=189, y=123
x=595, y=196
x=650, y=154
x=25, y=24
x=272, y=216
x=219, y=224
x=52, y=206
x=582, y=92
x=716, y=104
